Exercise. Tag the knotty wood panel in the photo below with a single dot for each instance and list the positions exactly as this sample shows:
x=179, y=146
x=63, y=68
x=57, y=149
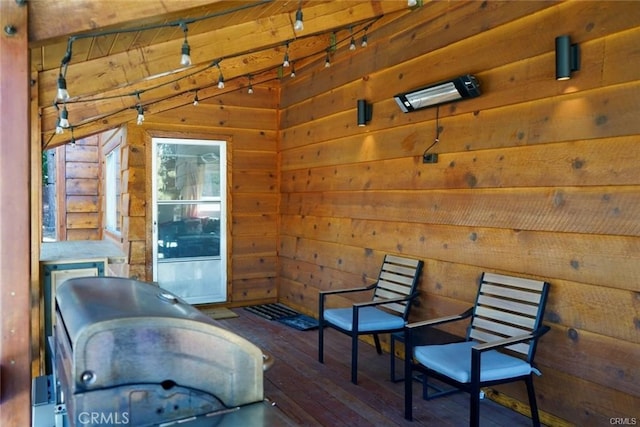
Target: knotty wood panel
x=82, y=170
x=83, y=234
x=81, y=152
x=80, y=204
x=255, y=203
x=254, y=267
x=256, y=225
x=82, y=187
x=598, y=210
x=591, y=114
x=83, y=220
x=255, y=245
x=253, y=181
x=535, y=178
x=222, y=116
x=252, y=291
x=582, y=258
x=575, y=163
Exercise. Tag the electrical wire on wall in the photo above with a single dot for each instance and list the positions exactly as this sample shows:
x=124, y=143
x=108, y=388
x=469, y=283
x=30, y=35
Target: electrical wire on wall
x=433, y=157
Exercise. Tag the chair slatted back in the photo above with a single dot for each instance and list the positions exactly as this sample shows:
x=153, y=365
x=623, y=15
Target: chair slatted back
x=507, y=306
x=398, y=278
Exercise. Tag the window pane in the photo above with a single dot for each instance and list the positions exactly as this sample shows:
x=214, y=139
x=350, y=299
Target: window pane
x=112, y=190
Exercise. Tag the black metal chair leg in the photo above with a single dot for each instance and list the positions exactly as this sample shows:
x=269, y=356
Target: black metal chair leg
x=354, y=358
x=321, y=330
x=376, y=340
x=535, y=418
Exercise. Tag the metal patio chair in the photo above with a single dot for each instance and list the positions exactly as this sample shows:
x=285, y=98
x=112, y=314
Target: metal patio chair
x=506, y=323
x=387, y=311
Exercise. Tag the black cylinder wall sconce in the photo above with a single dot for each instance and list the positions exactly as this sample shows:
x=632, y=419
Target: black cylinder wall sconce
x=365, y=111
x=567, y=58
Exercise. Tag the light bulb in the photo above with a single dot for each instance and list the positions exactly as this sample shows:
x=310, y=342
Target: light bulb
x=327, y=62
x=196, y=101
x=64, y=118
x=185, y=59
x=364, y=41
x=352, y=46
x=62, y=94
x=299, y=25
x=59, y=129
x=220, y=82
x=285, y=63
x=140, y=118
x=412, y=3
x=250, y=90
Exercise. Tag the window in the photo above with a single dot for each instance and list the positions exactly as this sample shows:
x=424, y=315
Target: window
x=112, y=191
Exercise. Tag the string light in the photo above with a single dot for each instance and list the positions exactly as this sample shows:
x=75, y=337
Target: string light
x=285, y=62
x=185, y=58
x=352, y=45
x=299, y=24
x=62, y=94
x=64, y=118
x=59, y=129
x=140, y=118
x=250, y=89
x=220, y=76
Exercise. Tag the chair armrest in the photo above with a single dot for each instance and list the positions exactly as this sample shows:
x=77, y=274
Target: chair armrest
x=512, y=340
x=358, y=305
x=348, y=290
x=440, y=320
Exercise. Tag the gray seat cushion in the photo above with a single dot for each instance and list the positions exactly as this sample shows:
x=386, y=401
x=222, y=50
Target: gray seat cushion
x=454, y=361
x=369, y=319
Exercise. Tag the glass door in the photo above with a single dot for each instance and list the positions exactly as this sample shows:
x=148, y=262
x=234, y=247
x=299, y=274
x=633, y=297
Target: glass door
x=189, y=218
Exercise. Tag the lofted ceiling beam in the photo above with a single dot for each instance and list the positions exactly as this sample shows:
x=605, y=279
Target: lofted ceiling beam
x=56, y=20
x=129, y=67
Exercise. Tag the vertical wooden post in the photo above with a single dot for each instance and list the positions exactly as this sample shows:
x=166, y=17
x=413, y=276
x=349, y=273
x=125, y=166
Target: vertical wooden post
x=15, y=330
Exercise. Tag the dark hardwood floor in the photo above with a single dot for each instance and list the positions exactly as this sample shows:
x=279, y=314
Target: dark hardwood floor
x=315, y=394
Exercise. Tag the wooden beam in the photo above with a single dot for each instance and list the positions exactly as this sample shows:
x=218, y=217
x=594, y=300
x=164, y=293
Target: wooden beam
x=15, y=330
x=51, y=20
x=128, y=68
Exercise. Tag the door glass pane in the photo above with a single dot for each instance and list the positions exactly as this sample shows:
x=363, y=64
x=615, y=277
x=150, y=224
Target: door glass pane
x=188, y=230
x=188, y=172
x=188, y=201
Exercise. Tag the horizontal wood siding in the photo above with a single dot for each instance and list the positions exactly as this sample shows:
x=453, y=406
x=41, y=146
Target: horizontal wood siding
x=248, y=122
x=536, y=178
x=80, y=189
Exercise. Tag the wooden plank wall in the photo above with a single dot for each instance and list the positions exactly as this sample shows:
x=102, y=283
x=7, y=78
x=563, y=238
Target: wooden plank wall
x=536, y=177
x=77, y=187
x=248, y=122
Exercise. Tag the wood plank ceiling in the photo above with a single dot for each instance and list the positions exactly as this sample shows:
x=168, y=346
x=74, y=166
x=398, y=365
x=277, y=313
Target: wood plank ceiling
x=127, y=53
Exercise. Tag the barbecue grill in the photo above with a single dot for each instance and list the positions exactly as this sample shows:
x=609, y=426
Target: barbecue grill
x=130, y=353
